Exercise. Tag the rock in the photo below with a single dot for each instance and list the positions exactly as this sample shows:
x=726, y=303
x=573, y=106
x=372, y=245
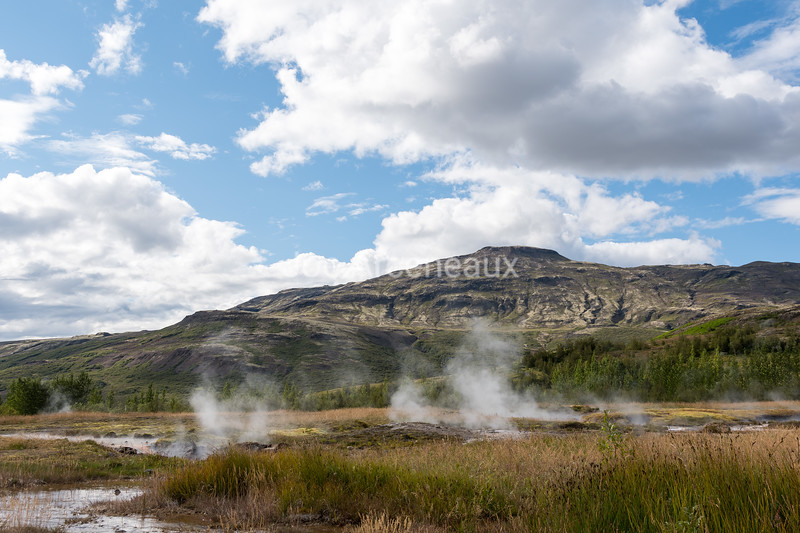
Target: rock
x=127, y=450
x=259, y=447
x=715, y=427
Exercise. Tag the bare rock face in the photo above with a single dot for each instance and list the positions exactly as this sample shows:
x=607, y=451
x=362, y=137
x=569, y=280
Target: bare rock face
x=535, y=288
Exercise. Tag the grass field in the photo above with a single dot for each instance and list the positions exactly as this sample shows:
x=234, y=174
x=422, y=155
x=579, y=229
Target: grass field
x=352, y=471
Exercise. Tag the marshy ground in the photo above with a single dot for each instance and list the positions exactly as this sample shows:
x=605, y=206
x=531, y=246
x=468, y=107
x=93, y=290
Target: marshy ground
x=618, y=467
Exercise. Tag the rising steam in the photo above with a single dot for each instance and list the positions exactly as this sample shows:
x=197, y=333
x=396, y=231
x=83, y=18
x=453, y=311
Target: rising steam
x=479, y=376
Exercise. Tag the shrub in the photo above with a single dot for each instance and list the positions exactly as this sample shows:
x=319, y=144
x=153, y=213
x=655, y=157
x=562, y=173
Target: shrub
x=27, y=396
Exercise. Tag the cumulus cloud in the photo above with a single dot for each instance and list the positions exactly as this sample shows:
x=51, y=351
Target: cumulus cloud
x=608, y=88
x=43, y=78
x=113, y=250
x=176, y=147
x=513, y=206
x=115, y=48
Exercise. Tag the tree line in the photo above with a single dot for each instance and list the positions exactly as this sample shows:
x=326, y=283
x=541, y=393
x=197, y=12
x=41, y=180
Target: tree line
x=80, y=392
x=732, y=362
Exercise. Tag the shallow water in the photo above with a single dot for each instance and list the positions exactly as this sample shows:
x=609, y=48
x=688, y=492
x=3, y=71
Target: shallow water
x=140, y=444
x=734, y=428
x=68, y=508
x=143, y=445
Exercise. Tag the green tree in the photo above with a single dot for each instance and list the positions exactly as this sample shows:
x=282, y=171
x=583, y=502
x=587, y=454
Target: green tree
x=27, y=396
x=73, y=389
x=95, y=397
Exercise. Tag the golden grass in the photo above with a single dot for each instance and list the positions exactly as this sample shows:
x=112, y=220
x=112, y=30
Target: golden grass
x=660, y=482
x=99, y=424
x=553, y=481
x=369, y=415
x=25, y=462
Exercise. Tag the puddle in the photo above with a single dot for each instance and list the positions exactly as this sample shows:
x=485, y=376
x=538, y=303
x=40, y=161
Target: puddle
x=734, y=428
x=750, y=427
x=143, y=445
x=67, y=508
x=180, y=448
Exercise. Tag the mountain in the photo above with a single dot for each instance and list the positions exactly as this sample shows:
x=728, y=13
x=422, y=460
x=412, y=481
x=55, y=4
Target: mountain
x=410, y=321
x=531, y=288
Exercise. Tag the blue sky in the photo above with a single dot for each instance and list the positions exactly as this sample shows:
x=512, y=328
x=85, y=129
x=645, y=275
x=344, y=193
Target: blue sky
x=157, y=158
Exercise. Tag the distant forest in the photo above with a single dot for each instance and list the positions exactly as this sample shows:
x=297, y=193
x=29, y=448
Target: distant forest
x=715, y=361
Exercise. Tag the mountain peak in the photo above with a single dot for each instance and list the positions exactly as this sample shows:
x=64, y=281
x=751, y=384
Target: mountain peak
x=520, y=251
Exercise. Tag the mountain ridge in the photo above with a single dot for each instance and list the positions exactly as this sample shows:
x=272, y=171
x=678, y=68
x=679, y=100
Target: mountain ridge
x=410, y=321
x=547, y=290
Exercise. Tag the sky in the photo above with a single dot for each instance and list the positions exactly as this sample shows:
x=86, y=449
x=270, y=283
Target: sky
x=159, y=158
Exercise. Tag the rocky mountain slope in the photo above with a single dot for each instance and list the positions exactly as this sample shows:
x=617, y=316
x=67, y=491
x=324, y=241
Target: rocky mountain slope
x=409, y=321
x=531, y=288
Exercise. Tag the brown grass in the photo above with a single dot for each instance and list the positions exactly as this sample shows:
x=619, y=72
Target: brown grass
x=659, y=482
x=558, y=481
x=25, y=462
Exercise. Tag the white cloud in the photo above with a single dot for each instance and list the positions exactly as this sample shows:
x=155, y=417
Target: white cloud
x=43, y=78
x=176, y=147
x=130, y=119
x=19, y=115
x=358, y=209
x=779, y=53
x=180, y=67
x=110, y=250
x=657, y=252
x=776, y=203
x=105, y=150
x=113, y=250
x=327, y=205
x=314, y=186
x=721, y=223
x=17, y=118
x=118, y=149
x=121, y=5
x=606, y=88
x=512, y=206
x=278, y=162
x=115, y=48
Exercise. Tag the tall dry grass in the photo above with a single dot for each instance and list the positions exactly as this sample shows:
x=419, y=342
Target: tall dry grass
x=672, y=482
